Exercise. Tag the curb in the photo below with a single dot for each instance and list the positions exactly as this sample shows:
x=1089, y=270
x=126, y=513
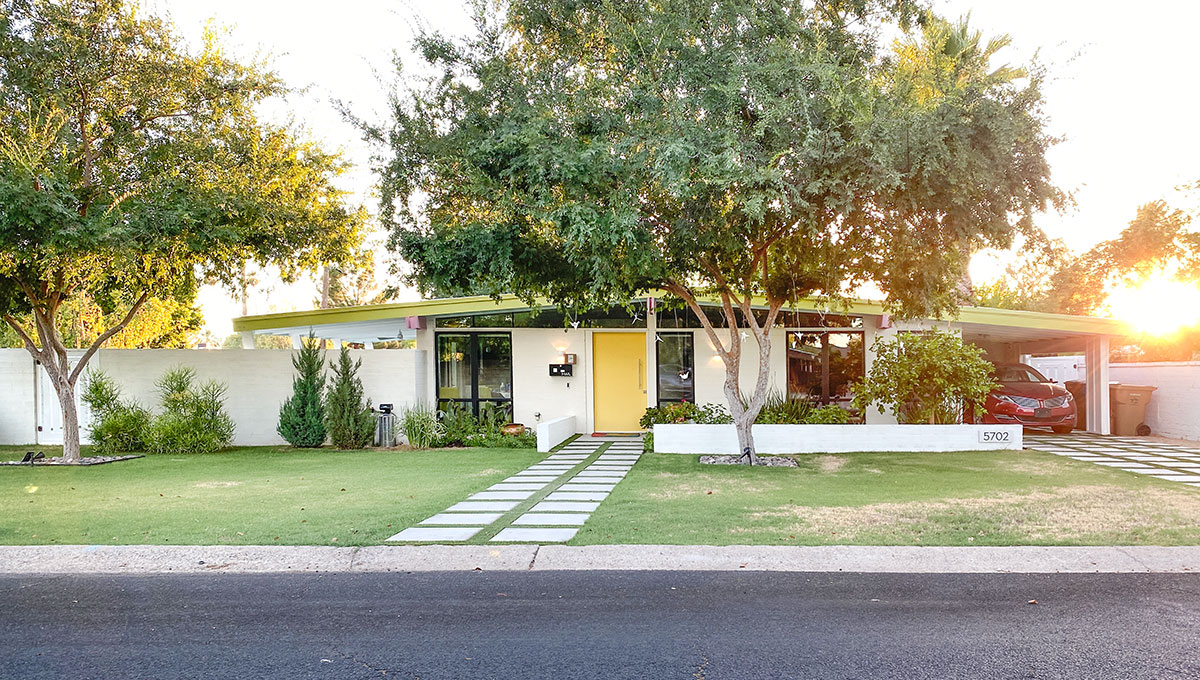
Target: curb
x=145, y=559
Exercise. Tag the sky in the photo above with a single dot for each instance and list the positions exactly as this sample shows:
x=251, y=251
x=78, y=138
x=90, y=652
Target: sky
x=1122, y=96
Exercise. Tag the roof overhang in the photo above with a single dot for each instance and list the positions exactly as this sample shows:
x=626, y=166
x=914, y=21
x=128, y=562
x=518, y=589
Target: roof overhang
x=389, y=321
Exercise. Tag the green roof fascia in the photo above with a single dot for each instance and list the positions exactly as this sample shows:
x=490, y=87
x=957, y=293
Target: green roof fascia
x=482, y=304
x=395, y=310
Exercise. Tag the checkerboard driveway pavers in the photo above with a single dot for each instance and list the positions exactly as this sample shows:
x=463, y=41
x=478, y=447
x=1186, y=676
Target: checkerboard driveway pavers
x=1172, y=462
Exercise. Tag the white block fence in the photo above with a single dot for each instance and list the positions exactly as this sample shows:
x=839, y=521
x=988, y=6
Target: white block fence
x=782, y=439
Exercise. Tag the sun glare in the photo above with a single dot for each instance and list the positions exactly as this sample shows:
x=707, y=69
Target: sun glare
x=1160, y=306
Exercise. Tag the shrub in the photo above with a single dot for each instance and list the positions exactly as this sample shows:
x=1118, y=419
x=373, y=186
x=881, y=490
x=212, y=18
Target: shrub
x=492, y=417
x=525, y=440
x=421, y=426
x=458, y=424
x=348, y=418
x=193, y=419
x=681, y=412
x=302, y=416
x=925, y=378
x=781, y=409
x=830, y=414
x=117, y=426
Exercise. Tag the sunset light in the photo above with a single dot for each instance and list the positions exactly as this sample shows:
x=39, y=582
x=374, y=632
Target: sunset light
x=1161, y=305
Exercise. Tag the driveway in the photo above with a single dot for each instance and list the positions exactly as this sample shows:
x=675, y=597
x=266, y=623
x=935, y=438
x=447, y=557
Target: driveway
x=1174, y=462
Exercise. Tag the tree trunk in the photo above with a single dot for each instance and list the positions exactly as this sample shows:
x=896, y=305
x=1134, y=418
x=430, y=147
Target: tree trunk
x=744, y=415
x=70, y=416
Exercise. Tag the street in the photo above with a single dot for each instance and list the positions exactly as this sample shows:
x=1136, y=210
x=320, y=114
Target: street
x=600, y=625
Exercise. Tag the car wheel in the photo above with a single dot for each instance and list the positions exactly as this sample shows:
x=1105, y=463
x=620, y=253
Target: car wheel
x=1062, y=429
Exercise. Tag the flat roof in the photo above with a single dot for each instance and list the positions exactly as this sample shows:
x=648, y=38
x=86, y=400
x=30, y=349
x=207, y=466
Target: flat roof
x=371, y=320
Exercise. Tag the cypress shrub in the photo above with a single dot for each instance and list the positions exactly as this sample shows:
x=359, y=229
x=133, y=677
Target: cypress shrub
x=302, y=416
x=348, y=417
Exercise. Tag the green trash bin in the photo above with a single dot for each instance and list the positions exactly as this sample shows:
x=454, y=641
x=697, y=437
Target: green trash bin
x=1129, y=408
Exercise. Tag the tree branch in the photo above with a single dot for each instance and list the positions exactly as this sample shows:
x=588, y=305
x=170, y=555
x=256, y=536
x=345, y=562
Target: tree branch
x=91, y=351
x=25, y=337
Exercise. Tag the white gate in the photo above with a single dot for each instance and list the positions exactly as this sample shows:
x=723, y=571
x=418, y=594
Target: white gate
x=49, y=412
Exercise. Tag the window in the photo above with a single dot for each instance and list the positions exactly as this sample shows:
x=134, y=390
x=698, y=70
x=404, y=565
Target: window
x=823, y=365
x=678, y=317
x=675, y=359
x=474, y=369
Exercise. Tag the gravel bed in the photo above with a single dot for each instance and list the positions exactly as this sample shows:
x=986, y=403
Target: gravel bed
x=89, y=460
x=768, y=461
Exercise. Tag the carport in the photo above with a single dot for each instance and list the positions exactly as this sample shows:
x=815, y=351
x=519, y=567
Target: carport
x=1014, y=336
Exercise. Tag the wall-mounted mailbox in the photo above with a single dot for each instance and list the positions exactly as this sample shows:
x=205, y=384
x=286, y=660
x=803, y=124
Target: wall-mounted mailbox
x=561, y=370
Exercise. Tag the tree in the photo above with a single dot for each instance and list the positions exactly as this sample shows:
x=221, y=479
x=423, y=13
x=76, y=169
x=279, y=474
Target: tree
x=928, y=377
x=161, y=324
x=348, y=417
x=746, y=152
x=302, y=416
x=131, y=167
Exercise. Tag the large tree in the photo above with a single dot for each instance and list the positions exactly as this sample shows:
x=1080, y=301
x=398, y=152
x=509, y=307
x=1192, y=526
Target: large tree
x=131, y=167
x=747, y=152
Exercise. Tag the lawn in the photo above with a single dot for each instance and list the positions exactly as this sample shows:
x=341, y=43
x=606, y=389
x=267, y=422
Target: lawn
x=281, y=496
x=976, y=498
x=264, y=495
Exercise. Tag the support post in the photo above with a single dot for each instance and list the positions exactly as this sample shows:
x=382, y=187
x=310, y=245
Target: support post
x=1099, y=413
x=248, y=340
x=296, y=342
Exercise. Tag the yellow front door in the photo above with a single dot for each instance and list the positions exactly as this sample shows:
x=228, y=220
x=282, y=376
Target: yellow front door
x=619, y=380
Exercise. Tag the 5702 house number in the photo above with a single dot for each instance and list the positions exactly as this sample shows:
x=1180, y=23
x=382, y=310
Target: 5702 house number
x=995, y=436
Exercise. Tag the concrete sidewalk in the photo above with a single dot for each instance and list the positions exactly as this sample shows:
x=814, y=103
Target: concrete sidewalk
x=141, y=559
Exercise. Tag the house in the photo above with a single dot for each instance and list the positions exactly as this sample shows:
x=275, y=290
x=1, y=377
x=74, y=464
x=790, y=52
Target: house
x=606, y=366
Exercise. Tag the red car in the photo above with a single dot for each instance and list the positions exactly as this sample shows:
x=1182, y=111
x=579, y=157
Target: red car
x=1029, y=398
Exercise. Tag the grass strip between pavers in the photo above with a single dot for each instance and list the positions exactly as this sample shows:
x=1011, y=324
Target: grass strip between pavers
x=490, y=531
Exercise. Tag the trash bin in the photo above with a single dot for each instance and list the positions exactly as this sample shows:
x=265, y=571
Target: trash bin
x=1129, y=408
x=385, y=426
x=1078, y=389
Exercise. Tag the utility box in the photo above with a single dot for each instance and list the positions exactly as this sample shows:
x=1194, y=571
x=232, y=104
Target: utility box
x=1129, y=408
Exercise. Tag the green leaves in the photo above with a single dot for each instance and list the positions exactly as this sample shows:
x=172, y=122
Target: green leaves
x=128, y=161
x=925, y=377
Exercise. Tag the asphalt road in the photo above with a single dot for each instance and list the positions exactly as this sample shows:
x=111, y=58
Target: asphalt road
x=601, y=625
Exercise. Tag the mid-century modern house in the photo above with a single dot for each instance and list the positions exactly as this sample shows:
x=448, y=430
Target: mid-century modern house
x=605, y=367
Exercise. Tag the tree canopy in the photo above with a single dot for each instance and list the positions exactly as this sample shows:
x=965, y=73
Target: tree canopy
x=750, y=152
x=131, y=166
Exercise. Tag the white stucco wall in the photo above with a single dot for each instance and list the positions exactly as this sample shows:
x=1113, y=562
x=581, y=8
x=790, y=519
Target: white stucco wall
x=1174, y=408
x=258, y=380
x=18, y=406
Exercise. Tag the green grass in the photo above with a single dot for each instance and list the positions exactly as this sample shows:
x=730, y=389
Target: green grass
x=975, y=498
x=280, y=496
x=265, y=496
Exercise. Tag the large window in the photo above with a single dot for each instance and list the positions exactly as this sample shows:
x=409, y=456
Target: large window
x=676, y=368
x=823, y=365
x=474, y=369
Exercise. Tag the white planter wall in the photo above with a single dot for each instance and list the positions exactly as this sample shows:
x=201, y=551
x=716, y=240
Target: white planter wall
x=553, y=432
x=783, y=439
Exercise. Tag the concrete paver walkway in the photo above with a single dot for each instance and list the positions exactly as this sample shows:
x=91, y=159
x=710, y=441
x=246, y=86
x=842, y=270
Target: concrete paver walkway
x=561, y=491
x=1173, y=462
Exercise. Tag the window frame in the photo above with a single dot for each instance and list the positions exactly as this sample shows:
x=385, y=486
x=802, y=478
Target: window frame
x=474, y=401
x=824, y=373
x=691, y=336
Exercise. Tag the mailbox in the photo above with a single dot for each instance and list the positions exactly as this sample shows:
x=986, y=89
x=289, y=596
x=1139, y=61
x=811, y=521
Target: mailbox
x=561, y=370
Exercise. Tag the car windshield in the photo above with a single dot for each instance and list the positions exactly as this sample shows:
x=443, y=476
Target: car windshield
x=1019, y=373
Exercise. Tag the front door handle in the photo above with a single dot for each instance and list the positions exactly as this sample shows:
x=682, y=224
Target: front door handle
x=641, y=377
